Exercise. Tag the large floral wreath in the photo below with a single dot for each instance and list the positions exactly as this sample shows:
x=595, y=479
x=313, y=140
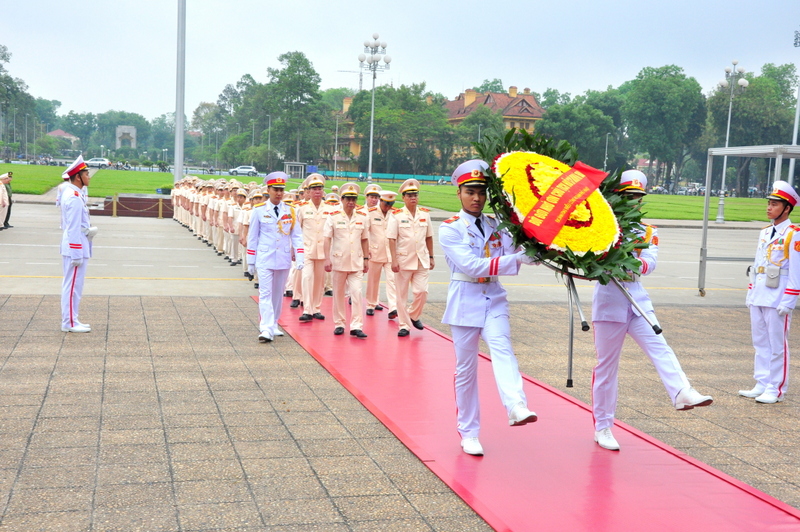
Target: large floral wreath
x=598, y=239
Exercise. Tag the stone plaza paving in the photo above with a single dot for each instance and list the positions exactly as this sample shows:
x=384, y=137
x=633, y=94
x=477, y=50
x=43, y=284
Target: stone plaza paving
x=170, y=416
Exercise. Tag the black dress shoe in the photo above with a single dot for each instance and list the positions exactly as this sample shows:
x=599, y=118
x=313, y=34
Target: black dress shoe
x=8, y=226
x=378, y=307
x=328, y=292
x=358, y=333
x=417, y=324
x=318, y=316
x=392, y=315
x=255, y=285
x=338, y=331
x=295, y=303
x=370, y=312
x=403, y=332
x=288, y=293
x=249, y=277
x=306, y=317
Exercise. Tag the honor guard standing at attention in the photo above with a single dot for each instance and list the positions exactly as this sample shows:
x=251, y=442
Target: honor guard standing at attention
x=477, y=306
x=772, y=295
x=311, y=219
x=295, y=284
x=410, y=235
x=346, y=234
x=76, y=245
x=613, y=317
x=380, y=258
x=273, y=237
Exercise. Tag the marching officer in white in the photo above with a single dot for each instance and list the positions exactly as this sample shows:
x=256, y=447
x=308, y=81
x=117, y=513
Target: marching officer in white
x=772, y=295
x=477, y=306
x=273, y=237
x=346, y=234
x=613, y=317
x=76, y=245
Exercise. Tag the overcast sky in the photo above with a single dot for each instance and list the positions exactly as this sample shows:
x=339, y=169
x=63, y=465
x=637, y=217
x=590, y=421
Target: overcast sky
x=98, y=55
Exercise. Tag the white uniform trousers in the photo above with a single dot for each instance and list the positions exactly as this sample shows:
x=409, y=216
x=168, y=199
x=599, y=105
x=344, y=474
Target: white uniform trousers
x=771, y=342
x=313, y=283
x=71, y=291
x=418, y=279
x=374, y=285
x=608, y=339
x=344, y=284
x=496, y=332
x=270, y=298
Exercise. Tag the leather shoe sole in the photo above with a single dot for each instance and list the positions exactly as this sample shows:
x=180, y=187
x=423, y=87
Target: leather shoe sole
x=264, y=339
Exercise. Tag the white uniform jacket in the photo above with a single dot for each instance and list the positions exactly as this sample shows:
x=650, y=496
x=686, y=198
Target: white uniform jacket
x=74, y=219
x=782, y=250
x=271, y=238
x=478, y=256
x=609, y=303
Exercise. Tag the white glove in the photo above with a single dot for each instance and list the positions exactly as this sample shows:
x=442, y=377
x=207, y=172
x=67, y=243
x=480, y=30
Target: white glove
x=783, y=311
x=526, y=259
x=76, y=263
x=251, y=269
x=299, y=262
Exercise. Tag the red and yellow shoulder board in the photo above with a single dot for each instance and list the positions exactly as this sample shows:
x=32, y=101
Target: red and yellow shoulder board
x=794, y=227
x=423, y=209
x=396, y=211
x=362, y=213
x=490, y=215
x=373, y=208
x=333, y=213
x=260, y=204
x=451, y=220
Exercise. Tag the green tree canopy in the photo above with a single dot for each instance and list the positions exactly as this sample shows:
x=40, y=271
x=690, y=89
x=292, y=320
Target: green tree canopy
x=495, y=85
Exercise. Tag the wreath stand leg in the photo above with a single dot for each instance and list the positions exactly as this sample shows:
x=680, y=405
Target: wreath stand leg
x=656, y=328
x=574, y=302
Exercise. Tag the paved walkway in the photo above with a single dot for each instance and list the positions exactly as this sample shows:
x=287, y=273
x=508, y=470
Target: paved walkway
x=170, y=416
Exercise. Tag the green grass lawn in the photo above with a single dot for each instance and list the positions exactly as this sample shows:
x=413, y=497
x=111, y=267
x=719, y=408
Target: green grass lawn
x=34, y=179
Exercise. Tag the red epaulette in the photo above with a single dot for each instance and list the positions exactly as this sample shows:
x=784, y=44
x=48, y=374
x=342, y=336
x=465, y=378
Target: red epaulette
x=370, y=209
x=334, y=213
x=423, y=209
x=794, y=227
x=362, y=213
x=451, y=220
x=395, y=211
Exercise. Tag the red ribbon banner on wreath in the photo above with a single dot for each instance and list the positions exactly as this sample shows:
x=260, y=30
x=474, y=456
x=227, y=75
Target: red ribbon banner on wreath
x=555, y=206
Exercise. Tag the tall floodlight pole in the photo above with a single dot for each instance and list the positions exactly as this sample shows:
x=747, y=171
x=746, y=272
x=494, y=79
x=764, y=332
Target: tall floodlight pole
x=796, y=116
x=180, y=89
x=269, y=143
x=605, y=158
x=374, y=51
x=733, y=76
x=336, y=146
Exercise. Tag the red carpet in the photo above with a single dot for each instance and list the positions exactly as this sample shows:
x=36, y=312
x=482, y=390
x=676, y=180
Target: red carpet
x=549, y=475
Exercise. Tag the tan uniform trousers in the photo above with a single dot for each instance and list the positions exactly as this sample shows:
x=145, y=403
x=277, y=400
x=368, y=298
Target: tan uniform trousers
x=351, y=283
x=297, y=285
x=374, y=285
x=418, y=279
x=219, y=239
x=313, y=284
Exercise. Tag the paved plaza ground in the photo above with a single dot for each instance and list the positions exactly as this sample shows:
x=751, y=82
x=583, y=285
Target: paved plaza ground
x=170, y=416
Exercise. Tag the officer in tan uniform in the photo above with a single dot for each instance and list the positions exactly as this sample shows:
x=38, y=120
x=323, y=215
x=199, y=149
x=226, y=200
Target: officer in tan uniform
x=311, y=219
x=295, y=286
x=346, y=235
x=410, y=235
x=380, y=258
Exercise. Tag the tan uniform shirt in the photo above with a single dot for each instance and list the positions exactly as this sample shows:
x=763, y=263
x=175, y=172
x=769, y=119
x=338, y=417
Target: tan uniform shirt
x=411, y=233
x=311, y=220
x=378, y=243
x=346, y=235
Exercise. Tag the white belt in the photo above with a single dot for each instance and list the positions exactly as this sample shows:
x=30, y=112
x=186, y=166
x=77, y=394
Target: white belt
x=458, y=276
x=763, y=269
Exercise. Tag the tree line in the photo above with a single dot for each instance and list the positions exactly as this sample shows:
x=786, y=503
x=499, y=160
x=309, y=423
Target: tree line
x=662, y=115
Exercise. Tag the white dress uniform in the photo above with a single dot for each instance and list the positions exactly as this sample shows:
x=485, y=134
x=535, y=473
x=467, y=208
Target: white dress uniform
x=777, y=256
x=273, y=234
x=477, y=307
x=75, y=245
x=613, y=317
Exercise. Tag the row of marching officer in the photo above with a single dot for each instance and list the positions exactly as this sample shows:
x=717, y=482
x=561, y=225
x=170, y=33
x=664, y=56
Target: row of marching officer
x=346, y=240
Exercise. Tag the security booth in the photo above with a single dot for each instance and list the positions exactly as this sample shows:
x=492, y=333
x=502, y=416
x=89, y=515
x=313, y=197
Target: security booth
x=295, y=170
x=779, y=152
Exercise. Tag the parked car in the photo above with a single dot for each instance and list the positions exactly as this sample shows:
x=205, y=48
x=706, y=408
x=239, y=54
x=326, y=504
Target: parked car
x=244, y=170
x=98, y=162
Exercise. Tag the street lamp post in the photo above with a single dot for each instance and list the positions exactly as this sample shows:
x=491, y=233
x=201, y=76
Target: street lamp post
x=605, y=157
x=253, y=141
x=733, y=76
x=102, y=153
x=374, y=51
x=336, y=146
x=796, y=116
x=164, y=151
x=269, y=143
x=26, y=136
